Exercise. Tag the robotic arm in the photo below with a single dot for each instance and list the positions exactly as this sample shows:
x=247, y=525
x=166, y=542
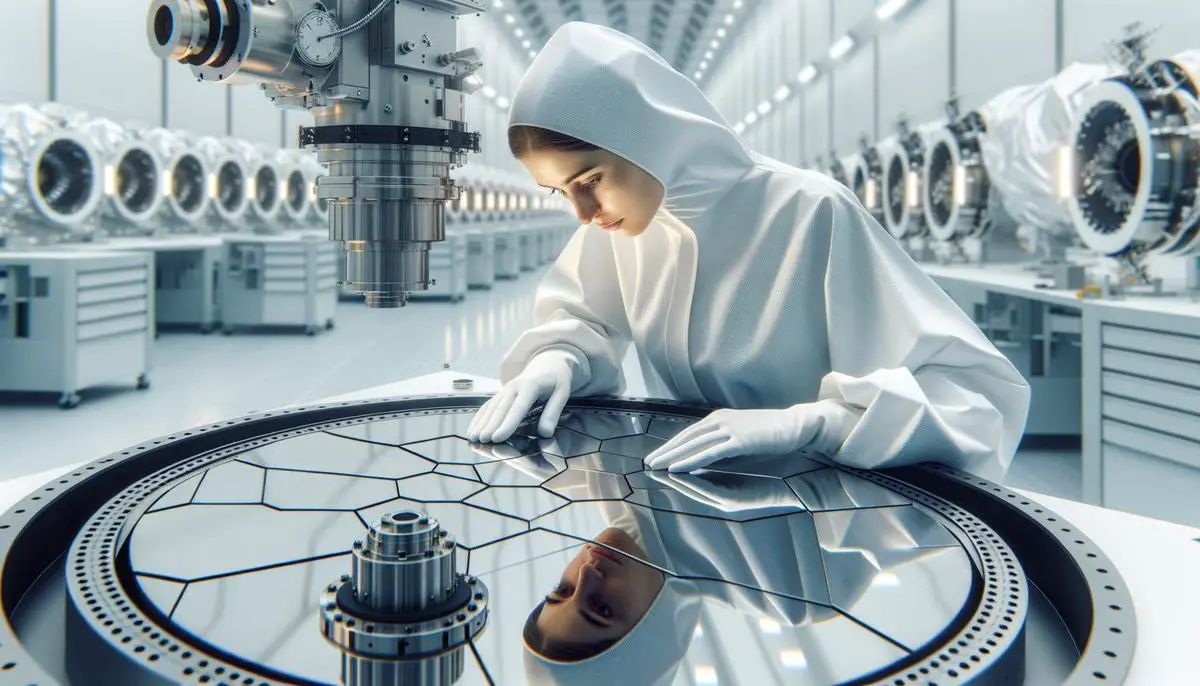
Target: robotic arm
x=387, y=93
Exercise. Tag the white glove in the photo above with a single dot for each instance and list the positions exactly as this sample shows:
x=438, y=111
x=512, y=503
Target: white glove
x=546, y=377
x=821, y=426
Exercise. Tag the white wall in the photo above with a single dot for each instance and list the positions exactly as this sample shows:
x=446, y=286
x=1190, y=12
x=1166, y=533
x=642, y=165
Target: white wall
x=995, y=43
x=24, y=55
x=503, y=66
x=103, y=63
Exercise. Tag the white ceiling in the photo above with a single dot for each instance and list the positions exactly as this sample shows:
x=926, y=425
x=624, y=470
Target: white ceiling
x=679, y=30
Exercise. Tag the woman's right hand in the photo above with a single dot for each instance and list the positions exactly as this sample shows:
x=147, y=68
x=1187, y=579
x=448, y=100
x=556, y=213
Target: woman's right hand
x=547, y=378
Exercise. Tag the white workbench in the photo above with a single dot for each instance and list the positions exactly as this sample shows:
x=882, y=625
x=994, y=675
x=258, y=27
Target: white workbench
x=1136, y=386
x=1159, y=561
x=186, y=280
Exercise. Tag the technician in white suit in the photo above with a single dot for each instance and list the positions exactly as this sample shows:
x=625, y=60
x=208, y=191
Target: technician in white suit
x=744, y=284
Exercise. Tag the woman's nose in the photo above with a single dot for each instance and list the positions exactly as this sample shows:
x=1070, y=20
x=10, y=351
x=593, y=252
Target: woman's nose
x=590, y=578
x=586, y=210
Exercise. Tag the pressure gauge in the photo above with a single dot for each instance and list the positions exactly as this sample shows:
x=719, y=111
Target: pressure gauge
x=312, y=50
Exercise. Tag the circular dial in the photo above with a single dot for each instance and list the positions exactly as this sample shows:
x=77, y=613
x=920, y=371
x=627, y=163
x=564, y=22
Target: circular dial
x=312, y=26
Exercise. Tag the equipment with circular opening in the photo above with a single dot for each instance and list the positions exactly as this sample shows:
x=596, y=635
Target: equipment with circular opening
x=185, y=181
x=837, y=170
x=865, y=172
x=313, y=170
x=52, y=177
x=1135, y=171
x=903, y=167
x=257, y=550
x=266, y=201
x=133, y=176
x=956, y=189
x=227, y=185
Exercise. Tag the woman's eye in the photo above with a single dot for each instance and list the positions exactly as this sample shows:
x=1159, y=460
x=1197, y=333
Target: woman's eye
x=601, y=608
x=591, y=183
x=560, y=590
x=554, y=191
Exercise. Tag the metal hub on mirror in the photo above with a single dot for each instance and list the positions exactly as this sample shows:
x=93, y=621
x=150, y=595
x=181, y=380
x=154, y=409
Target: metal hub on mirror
x=403, y=616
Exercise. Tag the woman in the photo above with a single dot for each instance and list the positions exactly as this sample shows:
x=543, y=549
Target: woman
x=743, y=283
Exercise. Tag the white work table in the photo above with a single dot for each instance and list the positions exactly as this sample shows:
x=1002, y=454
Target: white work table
x=1119, y=372
x=1014, y=279
x=1159, y=561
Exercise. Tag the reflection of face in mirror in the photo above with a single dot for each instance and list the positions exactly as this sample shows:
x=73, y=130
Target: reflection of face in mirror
x=601, y=596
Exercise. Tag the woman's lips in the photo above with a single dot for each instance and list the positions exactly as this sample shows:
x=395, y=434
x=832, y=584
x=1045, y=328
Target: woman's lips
x=612, y=227
x=600, y=551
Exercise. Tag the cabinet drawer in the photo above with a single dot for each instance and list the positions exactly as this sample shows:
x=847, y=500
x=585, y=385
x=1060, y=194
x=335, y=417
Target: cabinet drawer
x=110, y=293
x=134, y=323
x=1151, y=366
x=1164, y=446
x=1165, y=420
x=1151, y=342
x=111, y=277
x=108, y=310
x=1163, y=393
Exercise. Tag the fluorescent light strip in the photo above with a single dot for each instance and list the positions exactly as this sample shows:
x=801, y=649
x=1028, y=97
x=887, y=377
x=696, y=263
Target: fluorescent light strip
x=840, y=47
x=889, y=9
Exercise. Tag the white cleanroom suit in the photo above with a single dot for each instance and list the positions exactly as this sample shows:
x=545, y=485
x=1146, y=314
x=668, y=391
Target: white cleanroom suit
x=758, y=286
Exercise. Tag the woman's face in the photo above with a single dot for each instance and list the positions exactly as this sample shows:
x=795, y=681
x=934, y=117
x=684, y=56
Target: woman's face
x=602, y=594
x=606, y=190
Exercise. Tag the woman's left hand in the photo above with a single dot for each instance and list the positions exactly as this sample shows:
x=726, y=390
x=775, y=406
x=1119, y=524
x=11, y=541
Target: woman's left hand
x=731, y=433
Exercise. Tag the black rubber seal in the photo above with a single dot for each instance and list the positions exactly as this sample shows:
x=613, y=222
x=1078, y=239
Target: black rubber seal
x=377, y=134
x=214, y=35
x=231, y=35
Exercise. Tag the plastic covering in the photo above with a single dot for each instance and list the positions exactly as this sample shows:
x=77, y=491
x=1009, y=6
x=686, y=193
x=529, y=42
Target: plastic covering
x=185, y=181
x=51, y=179
x=1026, y=126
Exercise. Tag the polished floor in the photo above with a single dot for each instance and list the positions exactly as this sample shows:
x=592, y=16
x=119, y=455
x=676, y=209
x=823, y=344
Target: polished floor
x=199, y=379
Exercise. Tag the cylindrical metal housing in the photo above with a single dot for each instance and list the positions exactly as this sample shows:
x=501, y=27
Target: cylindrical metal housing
x=903, y=173
x=403, y=615
x=837, y=169
x=387, y=124
x=231, y=41
x=264, y=186
x=185, y=181
x=51, y=181
x=1135, y=166
x=955, y=185
x=312, y=168
x=406, y=564
x=132, y=177
x=296, y=193
x=439, y=671
x=228, y=185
